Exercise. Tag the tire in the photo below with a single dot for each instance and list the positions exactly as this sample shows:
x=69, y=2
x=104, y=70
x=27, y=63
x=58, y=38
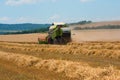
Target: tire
x=59, y=41
x=49, y=40
x=67, y=37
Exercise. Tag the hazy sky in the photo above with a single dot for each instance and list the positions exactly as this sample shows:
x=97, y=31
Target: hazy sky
x=48, y=11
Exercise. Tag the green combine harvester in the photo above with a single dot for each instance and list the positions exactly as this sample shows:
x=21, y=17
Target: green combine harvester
x=59, y=33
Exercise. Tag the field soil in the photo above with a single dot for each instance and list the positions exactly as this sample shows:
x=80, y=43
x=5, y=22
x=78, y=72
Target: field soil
x=23, y=37
x=96, y=35
x=77, y=36
x=91, y=56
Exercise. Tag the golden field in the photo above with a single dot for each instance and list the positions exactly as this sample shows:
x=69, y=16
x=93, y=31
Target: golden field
x=92, y=55
x=74, y=61
x=77, y=36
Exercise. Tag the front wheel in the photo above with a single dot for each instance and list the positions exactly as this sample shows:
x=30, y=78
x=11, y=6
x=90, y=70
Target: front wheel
x=49, y=40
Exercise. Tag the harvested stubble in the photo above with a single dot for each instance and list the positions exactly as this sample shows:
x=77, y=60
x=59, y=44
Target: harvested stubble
x=99, y=49
x=71, y=69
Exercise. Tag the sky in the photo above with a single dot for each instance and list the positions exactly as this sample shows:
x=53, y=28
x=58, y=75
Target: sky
x=48, y=11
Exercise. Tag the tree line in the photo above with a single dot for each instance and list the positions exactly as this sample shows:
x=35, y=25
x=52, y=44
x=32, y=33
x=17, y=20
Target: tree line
x=41, y=30
x=81, y=22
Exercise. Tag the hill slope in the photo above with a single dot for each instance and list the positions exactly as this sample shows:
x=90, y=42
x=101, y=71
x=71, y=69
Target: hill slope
x=98, y=24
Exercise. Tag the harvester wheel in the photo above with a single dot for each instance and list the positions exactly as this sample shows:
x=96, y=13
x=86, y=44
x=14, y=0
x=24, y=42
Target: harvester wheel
x=59, y=41
x=49, y=40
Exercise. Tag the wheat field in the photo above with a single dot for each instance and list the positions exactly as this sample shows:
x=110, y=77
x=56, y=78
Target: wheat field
x=92, y=55
x=74, y=61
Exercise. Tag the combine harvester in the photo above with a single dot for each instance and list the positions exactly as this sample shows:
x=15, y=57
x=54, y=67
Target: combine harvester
x=64, y=31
